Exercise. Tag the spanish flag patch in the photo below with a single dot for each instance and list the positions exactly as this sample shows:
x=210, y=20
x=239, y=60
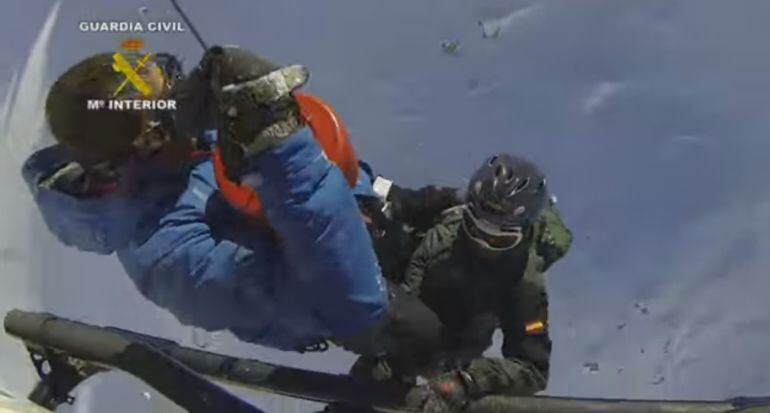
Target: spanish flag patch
x=534, y=327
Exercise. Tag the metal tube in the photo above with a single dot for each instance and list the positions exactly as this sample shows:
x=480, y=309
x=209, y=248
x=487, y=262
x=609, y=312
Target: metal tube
x=137, y=354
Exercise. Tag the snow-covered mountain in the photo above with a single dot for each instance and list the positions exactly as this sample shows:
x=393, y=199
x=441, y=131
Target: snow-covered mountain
x=649, y=117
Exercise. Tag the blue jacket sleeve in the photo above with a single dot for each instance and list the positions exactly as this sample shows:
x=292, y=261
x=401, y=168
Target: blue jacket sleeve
x=309, y=204
x=211, y=269
x=99, y=225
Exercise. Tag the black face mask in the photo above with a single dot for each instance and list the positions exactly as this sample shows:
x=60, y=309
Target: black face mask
x=485, y=262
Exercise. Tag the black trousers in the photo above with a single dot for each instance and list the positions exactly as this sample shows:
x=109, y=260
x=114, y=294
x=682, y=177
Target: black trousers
x=408, y=335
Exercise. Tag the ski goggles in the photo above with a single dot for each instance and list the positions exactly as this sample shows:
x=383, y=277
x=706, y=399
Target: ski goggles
x=488, y=235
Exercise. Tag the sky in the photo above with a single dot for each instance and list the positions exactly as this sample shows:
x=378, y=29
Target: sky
x=650, y=119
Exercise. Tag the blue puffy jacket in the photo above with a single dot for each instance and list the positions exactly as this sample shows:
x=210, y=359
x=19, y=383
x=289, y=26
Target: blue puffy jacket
x=188, y=251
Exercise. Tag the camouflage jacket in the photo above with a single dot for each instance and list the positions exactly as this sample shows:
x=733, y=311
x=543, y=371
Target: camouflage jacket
x=415, y=235
x=472, y=302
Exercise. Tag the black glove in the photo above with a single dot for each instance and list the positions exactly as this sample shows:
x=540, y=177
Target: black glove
x=196, y=109
x=447, y=393
x=255, y=109
x=408, y=334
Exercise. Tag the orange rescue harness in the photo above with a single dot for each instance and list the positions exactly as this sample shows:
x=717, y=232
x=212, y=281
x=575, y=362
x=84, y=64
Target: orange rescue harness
x=327, y=129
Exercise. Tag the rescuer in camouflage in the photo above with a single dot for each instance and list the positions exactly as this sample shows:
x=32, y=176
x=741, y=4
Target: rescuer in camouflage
x=479, y=267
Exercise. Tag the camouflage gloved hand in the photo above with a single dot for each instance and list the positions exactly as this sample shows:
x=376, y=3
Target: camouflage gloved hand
x=255, y=108
x=448, y=393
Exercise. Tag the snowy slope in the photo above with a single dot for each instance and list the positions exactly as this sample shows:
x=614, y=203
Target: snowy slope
x=21, y=283
x=650, y=118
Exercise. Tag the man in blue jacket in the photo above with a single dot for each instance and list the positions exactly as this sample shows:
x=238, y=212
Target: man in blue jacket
x=133, y=183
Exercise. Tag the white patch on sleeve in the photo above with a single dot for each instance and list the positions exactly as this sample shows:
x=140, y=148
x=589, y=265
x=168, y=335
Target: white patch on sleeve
x=200, y=194
x=253, y=180
x=382, y=187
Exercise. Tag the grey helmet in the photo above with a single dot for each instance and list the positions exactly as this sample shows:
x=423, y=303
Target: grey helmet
x=505, y=196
